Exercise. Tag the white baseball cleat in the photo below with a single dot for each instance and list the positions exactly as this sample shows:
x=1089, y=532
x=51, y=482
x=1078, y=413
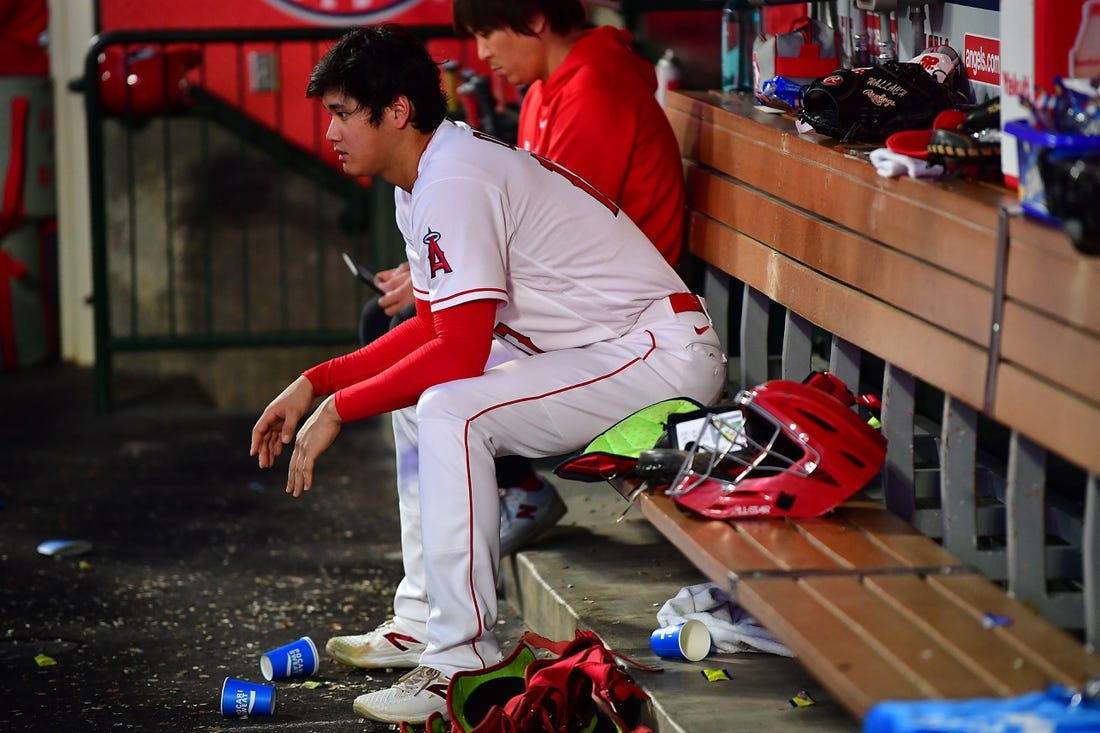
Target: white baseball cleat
x=386, y=646
x=412, y=699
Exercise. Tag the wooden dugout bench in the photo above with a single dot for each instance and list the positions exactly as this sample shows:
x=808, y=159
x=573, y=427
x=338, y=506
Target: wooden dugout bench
x=950, y=579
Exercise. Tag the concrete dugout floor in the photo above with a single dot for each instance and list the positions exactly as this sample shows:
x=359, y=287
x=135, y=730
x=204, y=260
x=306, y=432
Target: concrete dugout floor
x=199, y=562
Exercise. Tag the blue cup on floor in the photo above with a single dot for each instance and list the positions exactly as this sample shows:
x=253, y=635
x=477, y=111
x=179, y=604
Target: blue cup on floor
x=296, y=659
x=241, y=698
x=689, y=640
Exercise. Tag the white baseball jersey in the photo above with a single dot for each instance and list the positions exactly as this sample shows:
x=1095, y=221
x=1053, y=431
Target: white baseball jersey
x=593, y=325
x=485, y=220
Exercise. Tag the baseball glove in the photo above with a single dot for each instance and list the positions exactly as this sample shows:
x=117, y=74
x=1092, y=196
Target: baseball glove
x=874, y=102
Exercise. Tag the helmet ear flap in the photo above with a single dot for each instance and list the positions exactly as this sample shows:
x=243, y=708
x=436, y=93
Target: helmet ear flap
x=830, y=384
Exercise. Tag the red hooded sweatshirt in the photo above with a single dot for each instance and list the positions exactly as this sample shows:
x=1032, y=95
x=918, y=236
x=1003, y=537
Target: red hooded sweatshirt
x=597, y=115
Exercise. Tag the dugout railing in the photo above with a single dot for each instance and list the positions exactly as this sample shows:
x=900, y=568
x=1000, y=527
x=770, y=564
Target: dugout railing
x=214, y=222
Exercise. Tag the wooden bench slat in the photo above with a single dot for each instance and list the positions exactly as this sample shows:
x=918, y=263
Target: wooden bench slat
x=798, y=545
x=867, y=537
x=797, y=171
x=1067, y=356
x=959, y=367
x=782, y=542
x=855, y=672
x=930, y=293
x=711, y=546
x=1045, y=272
x=908, y=546
x=1061, y=657
x=960, y=630
x=910, y=647
x=693, y=116
x=1069, y=425
x=845, y=543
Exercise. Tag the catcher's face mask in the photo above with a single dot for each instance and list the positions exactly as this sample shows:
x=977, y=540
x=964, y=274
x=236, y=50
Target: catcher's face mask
x=786, y=449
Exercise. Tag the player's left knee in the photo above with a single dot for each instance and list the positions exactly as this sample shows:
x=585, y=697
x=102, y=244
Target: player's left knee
x=441, y=402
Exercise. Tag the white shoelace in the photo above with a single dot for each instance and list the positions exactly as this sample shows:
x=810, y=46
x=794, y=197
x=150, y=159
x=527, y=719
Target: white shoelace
x=386, y=626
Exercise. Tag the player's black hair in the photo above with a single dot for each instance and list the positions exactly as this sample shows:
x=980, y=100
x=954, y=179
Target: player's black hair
x=377, y=64
x=483, y=16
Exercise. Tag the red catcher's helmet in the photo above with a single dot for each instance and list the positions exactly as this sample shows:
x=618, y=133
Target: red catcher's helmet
x=146, y=80
x=798, y=452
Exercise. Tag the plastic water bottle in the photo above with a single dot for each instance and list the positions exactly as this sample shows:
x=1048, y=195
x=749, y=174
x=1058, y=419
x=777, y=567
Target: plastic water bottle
x=739, y=21
x=669, y=75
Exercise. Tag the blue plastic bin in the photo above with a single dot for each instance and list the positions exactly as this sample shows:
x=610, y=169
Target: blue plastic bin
x=1030, y=145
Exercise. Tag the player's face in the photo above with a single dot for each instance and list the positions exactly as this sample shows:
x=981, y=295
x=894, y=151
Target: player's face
x=359, y=145
x=516, y=57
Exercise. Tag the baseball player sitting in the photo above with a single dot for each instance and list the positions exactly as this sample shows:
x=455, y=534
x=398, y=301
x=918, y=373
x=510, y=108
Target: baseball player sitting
x=544, y=315
x=589, y=106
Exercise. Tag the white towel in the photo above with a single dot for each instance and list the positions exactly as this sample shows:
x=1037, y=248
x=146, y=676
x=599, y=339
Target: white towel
x=731, y=628
x=891, y=165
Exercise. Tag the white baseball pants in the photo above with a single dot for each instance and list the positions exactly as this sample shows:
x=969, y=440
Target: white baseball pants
x=536, y=406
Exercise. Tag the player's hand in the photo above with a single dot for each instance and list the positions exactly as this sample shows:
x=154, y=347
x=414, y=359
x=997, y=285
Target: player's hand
x=387, y=280
x=397, y=287
x=279, y=420
x=313, y=439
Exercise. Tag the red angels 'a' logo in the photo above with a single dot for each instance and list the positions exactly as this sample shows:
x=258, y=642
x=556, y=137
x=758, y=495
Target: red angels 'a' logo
x=929, y=61
x=343, y=12
x=436, y=258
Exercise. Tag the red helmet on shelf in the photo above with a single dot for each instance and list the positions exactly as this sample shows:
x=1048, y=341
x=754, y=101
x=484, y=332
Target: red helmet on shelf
x=146, y=80
x=791, y=450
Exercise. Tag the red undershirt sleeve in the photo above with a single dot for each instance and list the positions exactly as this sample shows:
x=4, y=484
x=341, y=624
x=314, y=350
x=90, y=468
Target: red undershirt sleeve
x=391, y=372
x=375, y=357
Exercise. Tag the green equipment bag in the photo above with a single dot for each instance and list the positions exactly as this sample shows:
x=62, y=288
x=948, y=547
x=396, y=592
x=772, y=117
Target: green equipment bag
x=574, y=686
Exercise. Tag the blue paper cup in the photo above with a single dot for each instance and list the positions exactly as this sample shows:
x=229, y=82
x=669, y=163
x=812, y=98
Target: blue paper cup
x=241, y=698
x=296, y=659
x=689, y=640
